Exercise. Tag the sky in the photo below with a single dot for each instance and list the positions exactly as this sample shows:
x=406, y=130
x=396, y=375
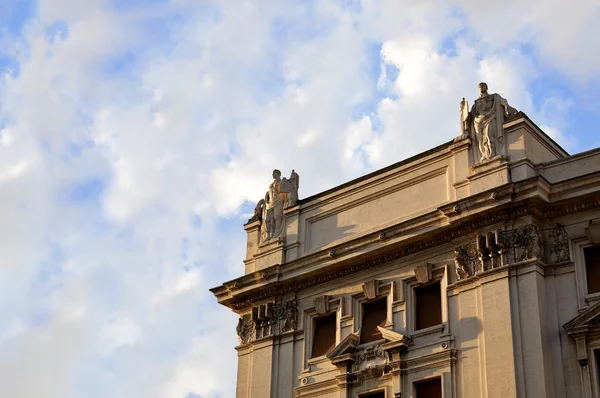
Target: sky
x=136, y=137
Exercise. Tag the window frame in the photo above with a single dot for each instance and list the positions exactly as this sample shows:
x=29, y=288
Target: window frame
x=387, y=291
x=315, y=319
x=438, y=273
x=587, y=284
x=362, y=309
x=426, y=380
x=436, y=282
x=336, y=307
x=593, y=367
x=367, y=394
x=584, y=299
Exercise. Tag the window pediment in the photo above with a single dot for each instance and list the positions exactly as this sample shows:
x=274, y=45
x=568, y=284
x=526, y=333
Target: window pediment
x=582, y=322
x=346, y=346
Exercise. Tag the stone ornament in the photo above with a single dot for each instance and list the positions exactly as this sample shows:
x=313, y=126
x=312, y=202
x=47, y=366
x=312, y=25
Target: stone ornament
x=371, y=289
x=483, y=123
x=522, y=244
x=489, y=250
x=465, y=260
x=322, y=304
x=268, y=319
x=559, y=246
x=593, y=232
x=423, y=273
x=282, y=193
x=497, y=248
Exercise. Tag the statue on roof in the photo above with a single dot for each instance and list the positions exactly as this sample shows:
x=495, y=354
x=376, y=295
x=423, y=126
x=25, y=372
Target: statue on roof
x=483, y=123
x=282, y=193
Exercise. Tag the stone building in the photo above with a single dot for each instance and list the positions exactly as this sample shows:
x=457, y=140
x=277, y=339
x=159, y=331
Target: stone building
x=469, y=270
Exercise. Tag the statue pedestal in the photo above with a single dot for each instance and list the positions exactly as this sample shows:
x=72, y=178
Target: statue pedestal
x=488, y=174
x=269, y=253
x=253, y=230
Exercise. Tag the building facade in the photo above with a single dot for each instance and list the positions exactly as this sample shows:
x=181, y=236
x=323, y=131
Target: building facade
x=469, y=270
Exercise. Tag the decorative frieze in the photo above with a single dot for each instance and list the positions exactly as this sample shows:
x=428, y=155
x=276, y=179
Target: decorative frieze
x=489, y=250
x=266, y=320
x=497, y=248
x=521, y=244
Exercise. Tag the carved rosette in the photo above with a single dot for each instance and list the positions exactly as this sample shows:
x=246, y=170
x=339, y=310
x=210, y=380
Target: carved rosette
x=466, y=261
x=266, y=320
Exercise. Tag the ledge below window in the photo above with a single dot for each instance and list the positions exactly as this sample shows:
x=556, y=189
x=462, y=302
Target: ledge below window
x=427, y=331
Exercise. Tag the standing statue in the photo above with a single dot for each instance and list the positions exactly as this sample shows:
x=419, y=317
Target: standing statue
x=282, y=193
x=484, y=122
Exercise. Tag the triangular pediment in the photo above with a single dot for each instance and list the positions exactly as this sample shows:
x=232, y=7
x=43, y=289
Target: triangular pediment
x=589, y=317
x=346, y=346
x=392, y=336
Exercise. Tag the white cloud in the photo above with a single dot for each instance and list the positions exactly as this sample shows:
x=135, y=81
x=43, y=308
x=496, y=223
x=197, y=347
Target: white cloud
x=130, y=145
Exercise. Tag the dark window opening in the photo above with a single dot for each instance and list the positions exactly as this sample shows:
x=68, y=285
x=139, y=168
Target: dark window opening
x=592, y=268
x=324, y=335
x=374, y=314
x=429, y=389
x=378, y=394
x=428, y=306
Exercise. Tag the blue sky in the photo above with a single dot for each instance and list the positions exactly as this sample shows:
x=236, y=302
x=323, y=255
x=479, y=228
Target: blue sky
x=136, y=137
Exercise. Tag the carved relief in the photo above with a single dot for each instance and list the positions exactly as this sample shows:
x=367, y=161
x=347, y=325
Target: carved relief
x=369, y=354
x=465, y=260
x=559, y=248
x=268, y=319
x=244, y=329
x=521, y=244
x=497, y=248
x=489, y=250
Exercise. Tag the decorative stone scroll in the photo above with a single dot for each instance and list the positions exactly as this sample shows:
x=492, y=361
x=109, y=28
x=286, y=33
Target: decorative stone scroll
x=498, y=248
x=266, y=320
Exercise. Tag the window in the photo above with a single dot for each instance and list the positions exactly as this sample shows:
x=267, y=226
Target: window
x=597, y=358
x=592, y=268
x=378, y=394
x=429, y=389
x=324, y=335
x=428, y=306
x=374, y=314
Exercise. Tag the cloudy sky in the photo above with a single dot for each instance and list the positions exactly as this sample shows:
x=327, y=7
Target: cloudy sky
x=136, y=137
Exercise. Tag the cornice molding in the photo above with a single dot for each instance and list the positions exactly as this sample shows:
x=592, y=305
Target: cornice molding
x=446, y=234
